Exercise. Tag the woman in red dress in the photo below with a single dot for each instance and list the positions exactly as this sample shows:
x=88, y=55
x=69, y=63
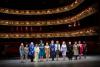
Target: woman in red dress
x=80, y=49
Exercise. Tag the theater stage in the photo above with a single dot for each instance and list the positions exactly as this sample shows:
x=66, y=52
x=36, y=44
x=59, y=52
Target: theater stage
x=90, y=61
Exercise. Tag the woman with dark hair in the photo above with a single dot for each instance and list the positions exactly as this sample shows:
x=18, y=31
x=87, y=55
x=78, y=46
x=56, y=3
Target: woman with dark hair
x=52, y=50
x=42, y=50
x=70, y=50
x=80, y=49
x=63, y=49
x=84, y=49
x=57, y=49
x=47, y=51
x=26, y=50
x=75, y=50
x=21, y=51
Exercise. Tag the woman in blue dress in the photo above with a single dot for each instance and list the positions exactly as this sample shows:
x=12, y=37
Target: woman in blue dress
x=42, y=50
x=52, y=50
x=31, y=51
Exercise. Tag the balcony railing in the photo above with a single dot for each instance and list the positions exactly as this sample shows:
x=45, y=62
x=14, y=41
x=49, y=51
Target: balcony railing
x=42, y=12
x=83, y=32
x=88, y=11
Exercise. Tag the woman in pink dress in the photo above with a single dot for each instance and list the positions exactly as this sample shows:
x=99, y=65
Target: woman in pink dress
x=80, y=49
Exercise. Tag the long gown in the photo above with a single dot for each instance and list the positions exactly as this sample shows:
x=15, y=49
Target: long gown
x=36, y=54
x=81, y=49
x=64, y=49
x=21, y=51
x=75, y=50
x=47, y=51
x=26, y=52
x=70, y=51
x=42, y=51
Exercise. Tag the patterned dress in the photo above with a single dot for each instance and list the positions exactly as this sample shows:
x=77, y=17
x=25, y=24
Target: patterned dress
x=31, y=49
x=47, y=51
x=36, y=54
x=64, y=49
x=26, y=52
x=31, y=52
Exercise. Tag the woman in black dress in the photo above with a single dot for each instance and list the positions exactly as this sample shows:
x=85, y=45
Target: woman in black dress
x=70, y=51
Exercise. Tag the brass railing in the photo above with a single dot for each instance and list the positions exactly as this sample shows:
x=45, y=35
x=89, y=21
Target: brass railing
x=83, y=32
x=41, y=12
x=67, y=20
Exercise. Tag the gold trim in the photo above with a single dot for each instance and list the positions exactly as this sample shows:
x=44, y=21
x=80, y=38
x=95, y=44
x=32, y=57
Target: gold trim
x=83, y=32
x=41, y=12
x=66, y=20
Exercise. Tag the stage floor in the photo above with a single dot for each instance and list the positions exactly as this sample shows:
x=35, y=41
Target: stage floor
x=90, y=61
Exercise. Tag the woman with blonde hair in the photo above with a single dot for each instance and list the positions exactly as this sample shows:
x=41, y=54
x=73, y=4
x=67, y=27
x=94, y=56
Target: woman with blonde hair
x=36, y=53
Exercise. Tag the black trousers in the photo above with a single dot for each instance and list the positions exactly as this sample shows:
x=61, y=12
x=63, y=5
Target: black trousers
x=75, y=57
x=70, y=55
x=52, y=55
x=31, y=57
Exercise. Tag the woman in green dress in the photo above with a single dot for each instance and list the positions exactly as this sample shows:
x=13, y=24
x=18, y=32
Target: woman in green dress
x=42, y=50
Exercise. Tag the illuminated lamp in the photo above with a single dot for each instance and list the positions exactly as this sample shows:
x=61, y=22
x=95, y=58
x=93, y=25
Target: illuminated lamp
x=27, y=12
x=17, y=11
x=48, y=11
x=16, y=22
x=6, y=22
x=65, y=8
x=57, y=10
x=27, y=22
x=6, y=10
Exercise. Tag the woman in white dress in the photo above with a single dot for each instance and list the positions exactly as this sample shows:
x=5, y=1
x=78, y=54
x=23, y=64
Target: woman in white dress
x=75, y=50
x=63, y=49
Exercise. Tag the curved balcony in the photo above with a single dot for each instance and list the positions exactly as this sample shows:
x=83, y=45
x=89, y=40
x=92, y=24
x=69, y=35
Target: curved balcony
x=88, y=11
x=84, y=32
x=42, y=12
x=34, y=4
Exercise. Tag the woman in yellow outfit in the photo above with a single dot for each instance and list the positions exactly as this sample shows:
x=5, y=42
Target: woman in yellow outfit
x=36, y=54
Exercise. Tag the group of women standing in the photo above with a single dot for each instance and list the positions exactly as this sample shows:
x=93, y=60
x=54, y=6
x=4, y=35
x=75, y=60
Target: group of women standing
x=37, y=52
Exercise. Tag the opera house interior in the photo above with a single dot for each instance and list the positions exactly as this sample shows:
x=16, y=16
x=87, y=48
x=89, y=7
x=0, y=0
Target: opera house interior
x=34, y=20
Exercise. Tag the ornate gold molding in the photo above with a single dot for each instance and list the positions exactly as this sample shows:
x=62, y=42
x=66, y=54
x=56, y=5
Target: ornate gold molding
x=88, y=11
x=83, y=32
x=41, y=12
